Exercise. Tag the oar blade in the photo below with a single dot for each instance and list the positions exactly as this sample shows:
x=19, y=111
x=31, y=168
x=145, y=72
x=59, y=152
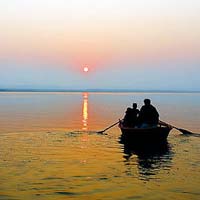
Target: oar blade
x=100, y=132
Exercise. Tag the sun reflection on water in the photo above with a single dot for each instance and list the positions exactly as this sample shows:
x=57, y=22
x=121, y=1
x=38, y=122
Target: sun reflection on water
x=85, y=111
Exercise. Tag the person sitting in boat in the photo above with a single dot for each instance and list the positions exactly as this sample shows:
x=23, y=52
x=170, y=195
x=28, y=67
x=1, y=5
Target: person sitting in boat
x=148, y=116
x=131, y=116
x=135, y=113
x=127, y=121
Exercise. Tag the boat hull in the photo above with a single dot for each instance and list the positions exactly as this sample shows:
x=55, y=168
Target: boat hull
x=145, y=135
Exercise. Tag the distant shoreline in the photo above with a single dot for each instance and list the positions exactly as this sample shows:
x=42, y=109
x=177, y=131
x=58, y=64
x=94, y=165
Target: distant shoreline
x=98, y=90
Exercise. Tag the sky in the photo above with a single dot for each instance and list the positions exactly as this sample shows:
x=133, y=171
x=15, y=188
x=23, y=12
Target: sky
x=126, y=44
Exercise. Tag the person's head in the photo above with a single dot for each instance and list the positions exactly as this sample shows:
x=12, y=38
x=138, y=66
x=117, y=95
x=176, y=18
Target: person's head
x=128, y=109
x=147, y=102
x=134, y=105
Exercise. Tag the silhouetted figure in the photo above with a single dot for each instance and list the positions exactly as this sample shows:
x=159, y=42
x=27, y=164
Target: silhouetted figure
x=148, y=116
x=131, y=116
x=135, y=113
x=128, y=118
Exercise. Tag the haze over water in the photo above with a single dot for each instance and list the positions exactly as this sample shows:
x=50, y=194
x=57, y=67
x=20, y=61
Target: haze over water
x=49, y=148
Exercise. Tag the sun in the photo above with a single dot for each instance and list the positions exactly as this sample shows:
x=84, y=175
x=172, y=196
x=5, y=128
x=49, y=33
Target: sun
x=85, y=69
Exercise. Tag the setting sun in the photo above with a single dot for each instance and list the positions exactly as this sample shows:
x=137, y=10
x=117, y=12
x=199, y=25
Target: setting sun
x=85, y=69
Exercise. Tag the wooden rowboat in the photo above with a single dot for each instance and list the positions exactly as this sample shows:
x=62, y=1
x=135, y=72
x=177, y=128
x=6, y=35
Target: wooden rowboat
x=157, y=134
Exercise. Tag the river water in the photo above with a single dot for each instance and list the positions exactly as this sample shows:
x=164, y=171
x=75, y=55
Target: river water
x=49, y=148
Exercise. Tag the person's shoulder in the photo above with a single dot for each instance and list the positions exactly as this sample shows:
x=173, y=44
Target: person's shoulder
x=152, y=106
x=142, y=108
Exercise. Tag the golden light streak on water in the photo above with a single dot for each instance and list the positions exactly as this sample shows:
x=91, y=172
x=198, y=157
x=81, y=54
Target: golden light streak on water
x=85, y=111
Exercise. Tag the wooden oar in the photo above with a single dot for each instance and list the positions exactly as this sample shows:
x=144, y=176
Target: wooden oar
x=185, y=132
x=101, y=132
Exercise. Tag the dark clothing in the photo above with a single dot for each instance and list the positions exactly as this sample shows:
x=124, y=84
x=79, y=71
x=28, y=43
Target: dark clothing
x=130, y=118
x=149, y=115
x=134, y=116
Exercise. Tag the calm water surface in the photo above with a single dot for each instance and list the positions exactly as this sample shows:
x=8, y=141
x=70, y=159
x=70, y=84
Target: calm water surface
x=49, y=148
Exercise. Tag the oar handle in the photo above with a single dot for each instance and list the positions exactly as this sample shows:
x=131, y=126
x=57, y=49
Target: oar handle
x=184, y=131
x=172, y=126
x=110, y=126
x=164, y=123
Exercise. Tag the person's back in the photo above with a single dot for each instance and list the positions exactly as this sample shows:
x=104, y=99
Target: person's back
x=134, y=113
x=148, y=115
x=128, y=118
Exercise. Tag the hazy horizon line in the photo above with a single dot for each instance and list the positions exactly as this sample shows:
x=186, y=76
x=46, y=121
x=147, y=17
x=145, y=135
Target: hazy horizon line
x=98, y=90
